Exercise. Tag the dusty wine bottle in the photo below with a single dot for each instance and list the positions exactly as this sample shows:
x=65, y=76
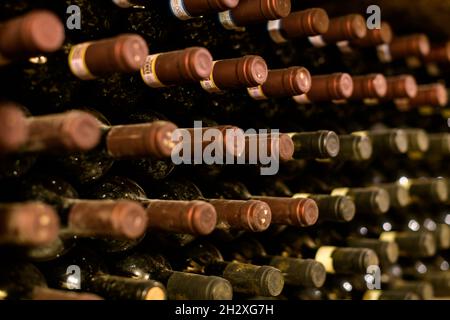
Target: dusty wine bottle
x=332, y=208
x=410, y=243
x=368, y=200
x=13, y=127
x=121, y=142
x=179, y=285
x=193, y=217
x=28, y=224
x=122, y=219
x=389, y=295
x=43, y=79
x=386, y=141
x=23, y=281
x=51, y=134
x=245, y=278
x=94, y=277
x=37, y=32
x=306, y=273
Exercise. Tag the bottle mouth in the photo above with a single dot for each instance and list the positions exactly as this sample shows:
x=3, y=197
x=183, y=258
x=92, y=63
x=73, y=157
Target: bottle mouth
x=400, y=141
x=130, y=52
x=276, y=9
x=330, y=144
x=199, y=62
x=256, y=71
x=43, y=31
x=343, y=86
x=317, y=22
x=13, y=128
x=218, y=289
x=346, y=208
x=391, y=251
x=81, y=131
x=364, y=148
x=204, y=218
x=381, y=200
x=259, y=215
x=272, y=281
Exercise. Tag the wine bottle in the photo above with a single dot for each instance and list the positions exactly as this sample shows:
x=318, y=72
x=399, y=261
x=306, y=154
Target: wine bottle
x=427, y=99
x=66, y=132
x=319, y=144
x=71, y=66
x=423, y=289
x=299, y=212
x=14, y=130
x=122, y=219
x=179, y=285
x=363, y=55
x=23, y=281
x=405, y=51
x=233, y=24
x=177, y=216
x=333, y=88
x=245, y=278
x=28, y=224
x=331, y=208
x=296, y=272
x=120, y=142
x=340, y=260
x=94, y=277
x=322, y=53
x=29, y=35
x=389, y=295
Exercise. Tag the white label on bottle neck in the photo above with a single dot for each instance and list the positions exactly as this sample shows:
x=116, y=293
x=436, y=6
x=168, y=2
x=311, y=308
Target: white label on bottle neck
x=209, y=84
x=148, y=72
x=77, y=61
x=123, y=3
x=301, y=195
x=4, y=61
x=274, y=27
x=317, y=41
x=388, y=236
x=302, y=99
x=325, y=256
x=226, y=19
x=257, y=93
x=344, y=46
x=384, y=53
x=179, y=10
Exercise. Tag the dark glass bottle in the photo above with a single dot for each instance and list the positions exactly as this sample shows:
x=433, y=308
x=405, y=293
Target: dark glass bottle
x=24, y=281
x=297, y=272
x=94, y=277
x=179, y=285
x=72, y=65
x=152, y=141
x=29, y=35
x=51, y=134
x=245, y=278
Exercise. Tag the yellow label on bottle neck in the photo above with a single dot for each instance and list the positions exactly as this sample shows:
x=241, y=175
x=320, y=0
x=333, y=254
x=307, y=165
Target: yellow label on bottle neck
x=340, y=192
x=325, y=256
x=388, y=236
x=372, y=295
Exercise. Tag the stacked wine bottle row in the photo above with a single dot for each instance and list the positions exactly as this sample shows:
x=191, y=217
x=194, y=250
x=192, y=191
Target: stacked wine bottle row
x=101, y=198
